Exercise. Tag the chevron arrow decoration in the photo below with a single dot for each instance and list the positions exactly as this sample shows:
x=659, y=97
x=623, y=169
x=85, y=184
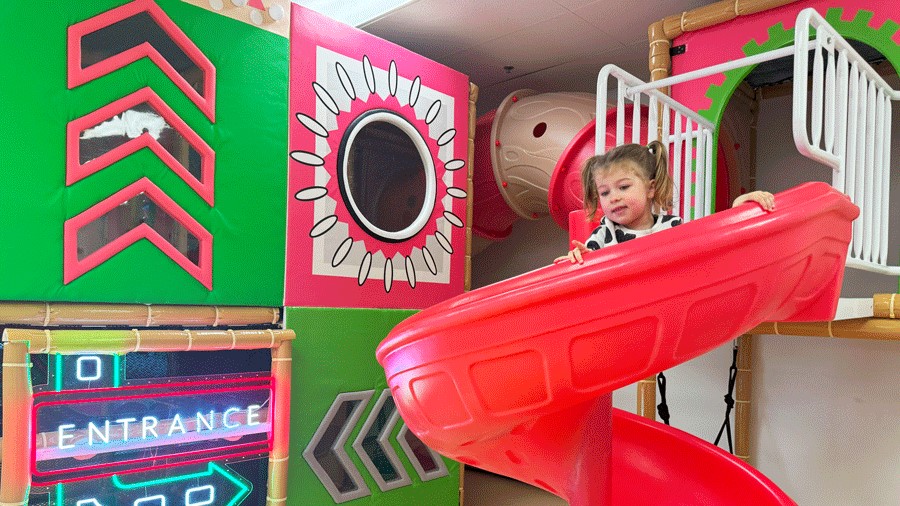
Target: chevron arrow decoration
x=83, y=67
x=98, y=46
x=327, y=456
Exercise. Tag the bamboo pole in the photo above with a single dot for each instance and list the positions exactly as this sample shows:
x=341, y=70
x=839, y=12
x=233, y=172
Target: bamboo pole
x=136, y=315
x=646, y=397
x=742, y=395
x=744, y=380
x=281, y=430
x=883, y=329
x=473, y=98
x=886, y=305
x=462, y=473
x=15, y=475
x=126, y=341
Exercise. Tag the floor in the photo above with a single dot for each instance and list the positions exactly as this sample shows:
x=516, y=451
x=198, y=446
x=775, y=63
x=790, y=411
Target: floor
x=485, y=489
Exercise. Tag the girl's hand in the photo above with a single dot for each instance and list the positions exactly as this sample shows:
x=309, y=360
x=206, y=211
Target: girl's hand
x=764, y=199
x=576, y=255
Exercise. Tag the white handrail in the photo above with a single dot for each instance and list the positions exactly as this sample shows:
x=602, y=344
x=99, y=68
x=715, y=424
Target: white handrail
x=687, y=136
x=845, y=123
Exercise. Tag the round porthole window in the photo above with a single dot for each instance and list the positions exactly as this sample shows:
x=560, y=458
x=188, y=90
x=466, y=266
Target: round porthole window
x=386, y=175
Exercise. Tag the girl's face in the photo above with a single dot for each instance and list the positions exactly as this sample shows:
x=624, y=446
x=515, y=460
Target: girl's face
x=625, y=197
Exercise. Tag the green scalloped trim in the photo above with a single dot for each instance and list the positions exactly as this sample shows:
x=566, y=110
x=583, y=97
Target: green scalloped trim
x=858, y=29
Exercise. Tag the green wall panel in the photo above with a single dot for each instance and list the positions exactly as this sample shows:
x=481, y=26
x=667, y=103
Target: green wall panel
x=334, y=353
x=249, y=137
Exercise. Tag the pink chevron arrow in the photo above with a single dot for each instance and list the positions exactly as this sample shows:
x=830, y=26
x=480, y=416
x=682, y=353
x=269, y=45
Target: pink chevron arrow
x=77, y=170
x=73, y=266
x=80, y=74
x=256, y=4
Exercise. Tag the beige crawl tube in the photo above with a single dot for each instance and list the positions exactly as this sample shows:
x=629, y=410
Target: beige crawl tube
x=517, y=147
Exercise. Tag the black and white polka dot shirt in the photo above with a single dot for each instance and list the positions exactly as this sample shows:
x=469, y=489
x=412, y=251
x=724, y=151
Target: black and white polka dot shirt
x=609, y=233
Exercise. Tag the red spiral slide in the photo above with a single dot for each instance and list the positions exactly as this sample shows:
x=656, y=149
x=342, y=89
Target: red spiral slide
x=516, y=377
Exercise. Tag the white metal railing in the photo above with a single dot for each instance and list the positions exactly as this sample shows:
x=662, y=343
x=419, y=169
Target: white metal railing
x=844, y=121
x=688, y=137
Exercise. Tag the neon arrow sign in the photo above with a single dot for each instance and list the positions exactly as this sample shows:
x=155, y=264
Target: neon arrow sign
x=217, y=485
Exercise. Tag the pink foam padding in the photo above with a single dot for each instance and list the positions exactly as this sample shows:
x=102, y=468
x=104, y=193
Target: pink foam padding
x=724, y=42
x=73, y=266
x=76, y=171
x=79, y=75
x=492, y=218
x=312, y=279
x=510, y=377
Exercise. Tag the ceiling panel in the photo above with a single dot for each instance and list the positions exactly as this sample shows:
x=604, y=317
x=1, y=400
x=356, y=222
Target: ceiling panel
x=577, y=75
x=535, y=48
x=436, y=28
x=552, y=45
x=631, y=18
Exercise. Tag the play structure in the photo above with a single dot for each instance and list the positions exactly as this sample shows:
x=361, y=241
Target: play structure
x=534, y=404
x=219, y=209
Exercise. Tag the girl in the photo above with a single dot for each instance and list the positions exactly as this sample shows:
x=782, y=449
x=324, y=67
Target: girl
x=629, y=183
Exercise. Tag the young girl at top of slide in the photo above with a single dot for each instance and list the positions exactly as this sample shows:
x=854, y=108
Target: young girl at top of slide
x=629, y=183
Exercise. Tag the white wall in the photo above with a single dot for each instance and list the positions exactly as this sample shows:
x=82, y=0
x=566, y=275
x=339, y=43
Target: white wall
x=826, y=413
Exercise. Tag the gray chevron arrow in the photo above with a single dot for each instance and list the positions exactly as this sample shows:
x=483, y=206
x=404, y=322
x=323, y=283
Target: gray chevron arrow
x=325, y=453
x=427, y=462
x=374, y=447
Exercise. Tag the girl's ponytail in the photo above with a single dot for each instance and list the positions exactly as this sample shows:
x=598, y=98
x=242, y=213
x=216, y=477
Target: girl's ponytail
x=662, y=199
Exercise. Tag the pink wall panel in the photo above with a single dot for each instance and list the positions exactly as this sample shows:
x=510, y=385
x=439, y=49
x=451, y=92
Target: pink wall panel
x=378, y=236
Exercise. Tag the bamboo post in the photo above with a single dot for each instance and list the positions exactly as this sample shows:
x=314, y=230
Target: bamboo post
x=646, y=397
x=126, y=341
x=44, y=314
x=281, y=431
x=744, y=380
x=886, y=305
x=742, y=393
x=881, y=329
x=473, y=98
x=15, y=475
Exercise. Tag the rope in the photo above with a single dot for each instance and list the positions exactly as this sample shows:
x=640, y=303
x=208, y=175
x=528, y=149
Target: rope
x=729, y=401
x=46, y=314
x=662, y=408
x=891, y=311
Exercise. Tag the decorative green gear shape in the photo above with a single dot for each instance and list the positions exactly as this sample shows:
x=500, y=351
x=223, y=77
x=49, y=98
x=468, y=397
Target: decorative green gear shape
x=779, y=36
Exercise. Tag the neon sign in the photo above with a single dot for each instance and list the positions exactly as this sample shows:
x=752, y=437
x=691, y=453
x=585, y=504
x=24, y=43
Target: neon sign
x=205, y=485
x=81, y=434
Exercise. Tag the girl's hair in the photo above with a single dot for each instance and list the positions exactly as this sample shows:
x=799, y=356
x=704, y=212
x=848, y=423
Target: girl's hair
x=650, y=162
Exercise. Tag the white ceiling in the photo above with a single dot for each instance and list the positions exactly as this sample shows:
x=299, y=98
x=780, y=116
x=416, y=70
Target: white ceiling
x=552, y=45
